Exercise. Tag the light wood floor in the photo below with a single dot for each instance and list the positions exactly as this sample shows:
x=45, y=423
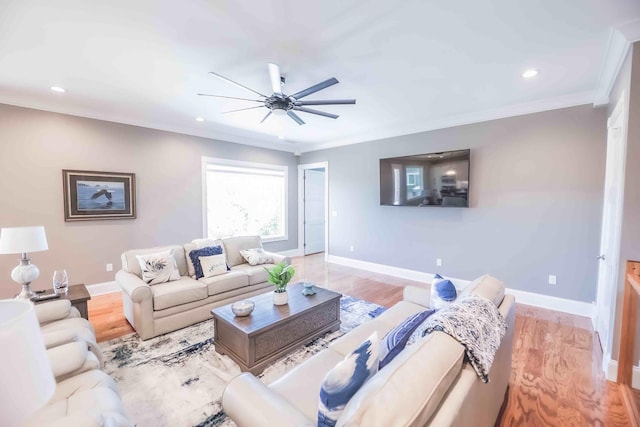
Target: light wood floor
x=556, y=378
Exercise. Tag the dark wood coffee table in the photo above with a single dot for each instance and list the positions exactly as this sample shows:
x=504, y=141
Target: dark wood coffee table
x=272, y=331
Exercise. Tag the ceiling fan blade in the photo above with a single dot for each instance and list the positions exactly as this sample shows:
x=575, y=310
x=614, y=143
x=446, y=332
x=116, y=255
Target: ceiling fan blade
x=313, y=89
x=319, y=113
x=295, y=117
x=230, y=97
x=327, y=102
x=236, y=83
x=276, y=80
x=242, y=109
x=265, y=117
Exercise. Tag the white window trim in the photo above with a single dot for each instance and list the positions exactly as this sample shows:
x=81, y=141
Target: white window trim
x=216, y=160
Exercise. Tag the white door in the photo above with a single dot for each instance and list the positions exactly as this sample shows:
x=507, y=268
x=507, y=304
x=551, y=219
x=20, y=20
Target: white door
x=611, y=229
x=314, y=211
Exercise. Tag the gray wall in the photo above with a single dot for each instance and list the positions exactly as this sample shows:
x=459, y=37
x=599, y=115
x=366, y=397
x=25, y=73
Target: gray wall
x=628, y=83
x=34, y=148
x=536, y=191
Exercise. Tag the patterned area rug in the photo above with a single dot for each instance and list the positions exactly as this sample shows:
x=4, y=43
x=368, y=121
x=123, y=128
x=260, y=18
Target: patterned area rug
x=177, y=379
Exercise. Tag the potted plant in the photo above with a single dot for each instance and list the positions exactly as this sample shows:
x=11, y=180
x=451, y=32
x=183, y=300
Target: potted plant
x=279, y=276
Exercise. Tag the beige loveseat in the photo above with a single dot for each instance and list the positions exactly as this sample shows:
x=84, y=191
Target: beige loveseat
x=154, y=310
x=427, y=384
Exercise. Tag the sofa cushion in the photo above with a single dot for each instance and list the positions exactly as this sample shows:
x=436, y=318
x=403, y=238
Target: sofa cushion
x=443, y=292
x=346, y=378
x=198, y=244
x=130, y=262
x=159, y=267
x=195, y=255
x=300, y=386
x=413, y=384
x=233, y=246
x=381, y=324
x=488, y=287
x=257, y=273
x=213, y=265
x=181, y=291
x=396, y=339
x=256, y=256
x=226, y=282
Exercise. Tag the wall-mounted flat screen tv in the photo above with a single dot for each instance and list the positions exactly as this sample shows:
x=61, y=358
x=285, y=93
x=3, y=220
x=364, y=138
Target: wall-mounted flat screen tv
x=433, y=179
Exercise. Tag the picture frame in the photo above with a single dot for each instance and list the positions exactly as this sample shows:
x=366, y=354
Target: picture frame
x=93, y=195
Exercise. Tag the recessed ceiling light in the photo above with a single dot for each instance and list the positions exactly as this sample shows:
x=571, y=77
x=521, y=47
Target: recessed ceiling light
x=199, y=119
x=58, y=89
x=531, y=73
x=280, y=136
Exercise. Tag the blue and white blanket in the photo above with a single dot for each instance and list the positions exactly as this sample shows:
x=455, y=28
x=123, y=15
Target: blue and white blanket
x=474, y=322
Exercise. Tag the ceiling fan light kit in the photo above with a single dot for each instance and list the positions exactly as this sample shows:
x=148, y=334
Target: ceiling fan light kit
x=280, y=104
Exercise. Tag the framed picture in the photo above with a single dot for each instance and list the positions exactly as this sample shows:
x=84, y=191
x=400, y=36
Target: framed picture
x=98, y=195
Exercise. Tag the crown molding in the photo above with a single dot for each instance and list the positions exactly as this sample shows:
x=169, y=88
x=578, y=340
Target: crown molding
x=245, y=137
x=631, y=30
x=418, y=126
x=617, y=50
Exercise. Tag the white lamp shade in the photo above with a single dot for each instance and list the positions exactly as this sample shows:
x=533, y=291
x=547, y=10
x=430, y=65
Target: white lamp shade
x=27, y=379
x=16, y=240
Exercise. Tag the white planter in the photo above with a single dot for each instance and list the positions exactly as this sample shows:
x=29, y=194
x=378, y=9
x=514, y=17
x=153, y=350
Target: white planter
x=280, y=298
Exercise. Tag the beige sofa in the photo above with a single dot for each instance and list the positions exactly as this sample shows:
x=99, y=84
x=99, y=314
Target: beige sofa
x=157, y=309
x=427, y=384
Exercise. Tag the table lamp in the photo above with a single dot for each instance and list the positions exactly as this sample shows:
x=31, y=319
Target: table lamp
x=27, y=379
x=22, y=240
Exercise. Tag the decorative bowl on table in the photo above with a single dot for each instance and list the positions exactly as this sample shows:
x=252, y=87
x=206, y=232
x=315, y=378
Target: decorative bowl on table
x=242, y=308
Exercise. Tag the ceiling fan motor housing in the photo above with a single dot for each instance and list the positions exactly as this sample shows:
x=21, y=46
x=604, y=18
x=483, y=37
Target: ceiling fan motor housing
x=275, y=102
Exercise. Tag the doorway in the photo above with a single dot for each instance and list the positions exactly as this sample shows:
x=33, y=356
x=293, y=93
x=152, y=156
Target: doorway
x=609, y=263
x=313, y=208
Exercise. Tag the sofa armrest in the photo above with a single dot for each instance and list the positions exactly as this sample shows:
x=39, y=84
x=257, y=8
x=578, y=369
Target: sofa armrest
x=416, y=295
x=67, y=358
x=250, y=403
x=58, y=338
x=133, y=286
x=55, y=310
x=277, y=258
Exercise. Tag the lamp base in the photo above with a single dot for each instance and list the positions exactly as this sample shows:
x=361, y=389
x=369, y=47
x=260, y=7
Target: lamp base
x=24, y=274
x=26, y=292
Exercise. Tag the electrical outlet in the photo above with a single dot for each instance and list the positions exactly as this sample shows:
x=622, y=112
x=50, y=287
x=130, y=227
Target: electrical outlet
x=109, y=267
x=439, y=262
x=351, y=248
x=552, y=279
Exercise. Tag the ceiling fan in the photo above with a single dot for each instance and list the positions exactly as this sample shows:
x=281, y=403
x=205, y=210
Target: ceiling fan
x=281, y=104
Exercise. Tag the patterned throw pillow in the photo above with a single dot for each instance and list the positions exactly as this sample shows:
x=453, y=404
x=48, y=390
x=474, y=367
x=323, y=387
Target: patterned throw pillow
x=197, y=253
x=256, y=256
x=213, y=265
x=443, y=292
x=157, y=268
x=396, y=339
x=345, y=379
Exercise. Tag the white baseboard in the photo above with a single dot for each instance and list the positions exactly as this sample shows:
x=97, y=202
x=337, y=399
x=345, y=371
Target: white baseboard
x=522, y=297
x=102, y=288
x=612, y=374
x=291, y=252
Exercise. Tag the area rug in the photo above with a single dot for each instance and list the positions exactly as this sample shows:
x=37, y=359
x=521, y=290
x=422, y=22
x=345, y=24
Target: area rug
x=177, y=379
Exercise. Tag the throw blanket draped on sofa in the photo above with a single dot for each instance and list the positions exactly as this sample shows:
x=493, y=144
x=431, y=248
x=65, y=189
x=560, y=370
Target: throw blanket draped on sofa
x=474, y=322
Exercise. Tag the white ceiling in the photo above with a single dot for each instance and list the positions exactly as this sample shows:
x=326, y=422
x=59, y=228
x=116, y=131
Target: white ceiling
x=411, y=65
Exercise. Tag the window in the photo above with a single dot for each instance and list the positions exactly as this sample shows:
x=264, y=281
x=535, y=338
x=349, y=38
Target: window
x=242, y=198
x=414, y=182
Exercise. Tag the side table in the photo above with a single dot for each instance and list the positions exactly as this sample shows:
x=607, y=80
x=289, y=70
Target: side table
x=77, y=294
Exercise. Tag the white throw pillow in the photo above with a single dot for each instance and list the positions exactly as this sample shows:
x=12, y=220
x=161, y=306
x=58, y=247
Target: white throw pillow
x=157, y=268
x=256, y=256
x=213, y=265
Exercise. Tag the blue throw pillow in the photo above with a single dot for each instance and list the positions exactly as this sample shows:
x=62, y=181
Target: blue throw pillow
x=345, y=379
x=443, y=292
x=396, y=339
x=197, y=253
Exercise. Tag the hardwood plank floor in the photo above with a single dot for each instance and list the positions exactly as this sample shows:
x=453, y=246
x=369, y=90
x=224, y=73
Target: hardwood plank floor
x=556, y=378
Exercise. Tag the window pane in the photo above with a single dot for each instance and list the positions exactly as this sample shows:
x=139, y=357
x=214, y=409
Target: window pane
x=245, y=201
